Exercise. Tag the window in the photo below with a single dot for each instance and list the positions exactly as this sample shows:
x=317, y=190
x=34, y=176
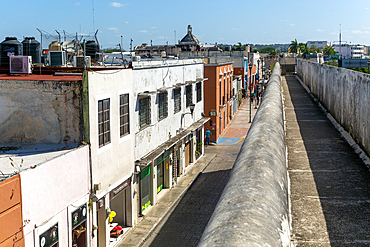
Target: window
x=189, y=95
x=162, y=105
x=124, y=116
x=104, y=122
x=199, y=91
x=177, y=99
x=144, y=111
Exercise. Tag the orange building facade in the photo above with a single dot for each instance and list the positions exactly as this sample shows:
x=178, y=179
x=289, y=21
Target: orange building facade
x=218, y=97
x=11, y=222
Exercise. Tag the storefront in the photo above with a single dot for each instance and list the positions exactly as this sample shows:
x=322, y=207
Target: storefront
x=145, y=180
x=161, y=167
x=79, y=226
x=119, y=200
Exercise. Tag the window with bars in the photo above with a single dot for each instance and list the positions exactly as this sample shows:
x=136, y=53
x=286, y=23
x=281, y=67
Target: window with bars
x=189, y=95
x=177, y=99
x=124, y=117
x=199, y=91
x=104, y=122
x=162, y=105
x=144, y=111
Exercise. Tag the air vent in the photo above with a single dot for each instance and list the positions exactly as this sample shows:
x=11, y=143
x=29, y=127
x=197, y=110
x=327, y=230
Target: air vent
x=57, y=58
x=20, y=64
x=78, y=61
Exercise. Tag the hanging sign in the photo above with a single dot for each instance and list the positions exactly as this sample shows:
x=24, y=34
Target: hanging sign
x=79, y=216
x=119, y=189
x=50, y=237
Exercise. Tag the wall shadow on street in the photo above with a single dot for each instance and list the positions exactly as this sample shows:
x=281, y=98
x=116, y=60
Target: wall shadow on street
x=185, y=225
x=342, y=179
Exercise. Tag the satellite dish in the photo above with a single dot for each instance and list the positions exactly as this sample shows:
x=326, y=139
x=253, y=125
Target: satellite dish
x=69, y=46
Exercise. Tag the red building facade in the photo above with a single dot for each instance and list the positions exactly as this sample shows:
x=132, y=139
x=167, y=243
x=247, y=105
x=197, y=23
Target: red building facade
x=218, y=97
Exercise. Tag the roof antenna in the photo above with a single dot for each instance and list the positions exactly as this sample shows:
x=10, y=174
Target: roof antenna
x=93, y=14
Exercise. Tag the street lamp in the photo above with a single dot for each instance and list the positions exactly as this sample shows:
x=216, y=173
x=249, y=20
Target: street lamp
x=191, y=106
x=250, y=91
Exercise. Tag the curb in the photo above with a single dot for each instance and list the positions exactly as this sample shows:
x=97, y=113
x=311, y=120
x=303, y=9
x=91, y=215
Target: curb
x=172, y=206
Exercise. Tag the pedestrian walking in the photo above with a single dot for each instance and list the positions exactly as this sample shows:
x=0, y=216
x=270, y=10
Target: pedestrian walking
x=208, y=135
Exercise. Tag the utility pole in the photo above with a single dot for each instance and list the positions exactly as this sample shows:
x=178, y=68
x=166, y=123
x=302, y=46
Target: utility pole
x=131, y=45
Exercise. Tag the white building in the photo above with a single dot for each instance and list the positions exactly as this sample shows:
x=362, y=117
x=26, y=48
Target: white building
x=351, y=51
x=59, y=113
x=319, y=44
x=111, y=134
x=41, y=132
x=168, y=137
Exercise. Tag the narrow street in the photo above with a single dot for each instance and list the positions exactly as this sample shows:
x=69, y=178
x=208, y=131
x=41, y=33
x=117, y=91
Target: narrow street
x=184, y=225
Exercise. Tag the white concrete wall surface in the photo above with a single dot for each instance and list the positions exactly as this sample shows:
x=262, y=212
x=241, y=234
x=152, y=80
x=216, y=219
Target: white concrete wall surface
x=50, y=188
x=153, y=75
x=115, y=161
x=346, y=95
x=40, y=111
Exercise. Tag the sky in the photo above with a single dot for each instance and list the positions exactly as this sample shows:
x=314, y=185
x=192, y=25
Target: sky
x=227, y=22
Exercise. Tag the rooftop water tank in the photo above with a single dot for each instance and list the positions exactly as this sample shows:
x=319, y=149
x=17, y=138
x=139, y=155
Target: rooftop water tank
x=92, y=50
x=9, y=47
x=31, y=47
x=55, y=46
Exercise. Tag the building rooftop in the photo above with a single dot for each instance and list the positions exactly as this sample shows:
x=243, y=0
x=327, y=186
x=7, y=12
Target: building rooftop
x=32, y=155
x=34, y=77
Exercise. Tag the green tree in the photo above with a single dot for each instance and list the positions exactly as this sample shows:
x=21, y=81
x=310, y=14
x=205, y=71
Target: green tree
x=293, y=47
x=305, y=50
x=328, y=50
x=239, y=47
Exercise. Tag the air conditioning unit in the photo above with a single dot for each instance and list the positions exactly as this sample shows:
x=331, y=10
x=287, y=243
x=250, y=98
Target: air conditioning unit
x=78, y=61
x=57, y=58
x=20, y=64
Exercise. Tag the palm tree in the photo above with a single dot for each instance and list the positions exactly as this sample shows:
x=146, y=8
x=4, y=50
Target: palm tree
x=328, y=50
x=294, y=46
x=239, y=47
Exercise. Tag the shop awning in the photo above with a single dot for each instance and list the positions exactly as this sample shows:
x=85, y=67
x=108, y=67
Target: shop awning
x=145, y=161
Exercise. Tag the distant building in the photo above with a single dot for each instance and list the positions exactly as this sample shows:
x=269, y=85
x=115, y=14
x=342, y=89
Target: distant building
x=146, y=50
x=319, y=44
x=189, y=42
x=351, y=51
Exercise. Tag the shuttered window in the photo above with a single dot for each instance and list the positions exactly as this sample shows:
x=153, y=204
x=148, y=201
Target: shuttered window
x=124, y=115
x=162, y=105
x=189, y=95
x=104, y=122
x=199, y=91
x=177, y=99
x=144, y=111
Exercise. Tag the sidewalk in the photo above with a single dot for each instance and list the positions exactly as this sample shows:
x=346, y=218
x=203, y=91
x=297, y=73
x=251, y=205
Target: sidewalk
x=237, y=129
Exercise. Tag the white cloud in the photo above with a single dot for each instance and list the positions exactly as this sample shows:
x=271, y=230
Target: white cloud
x=234, y=28
x=77, y=4
x=126, y=22
x=32, y=14
x=153, y=27
x=320, y=30
x=143, y=31
x=360, y=32
x=220, y=39
x=5, y=22
x=112, y=28
x=117, y=5
x=292, y=24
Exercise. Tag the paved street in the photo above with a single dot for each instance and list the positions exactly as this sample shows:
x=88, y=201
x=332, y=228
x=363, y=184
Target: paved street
x=330, y=185
x=186, y=223
x=181, y=222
